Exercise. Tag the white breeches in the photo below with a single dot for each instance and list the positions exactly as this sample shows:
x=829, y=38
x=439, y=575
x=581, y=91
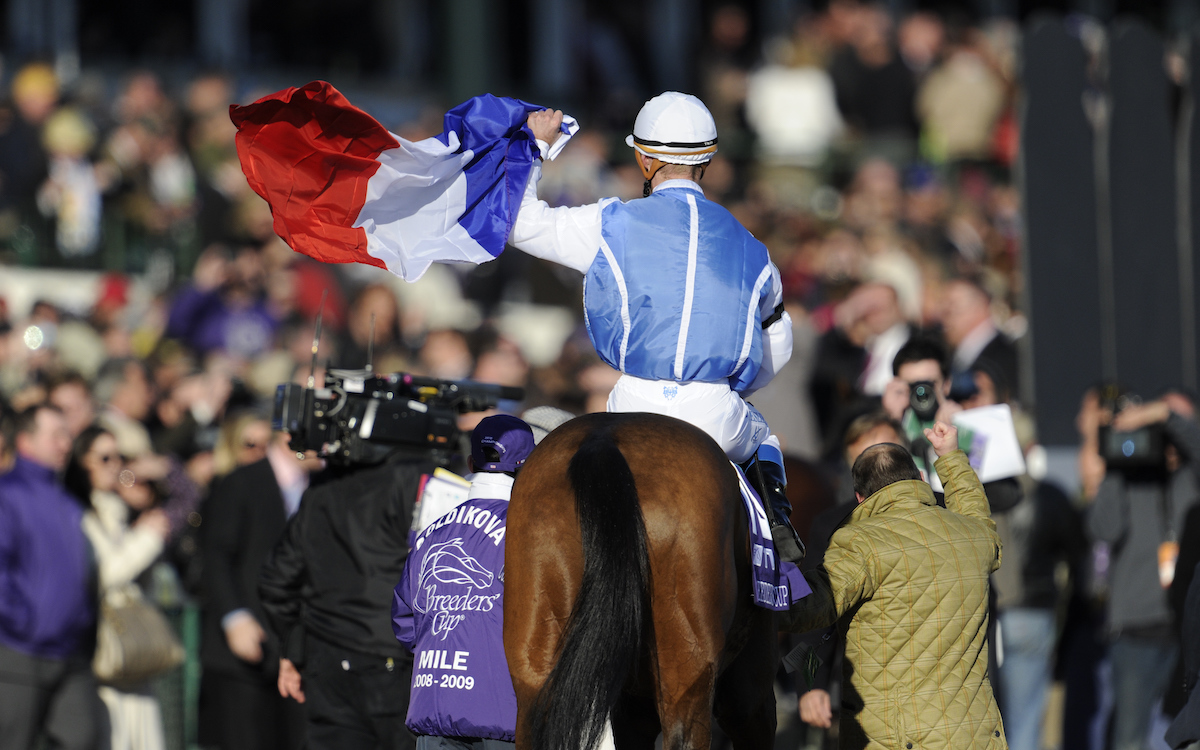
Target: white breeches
x=737, y=426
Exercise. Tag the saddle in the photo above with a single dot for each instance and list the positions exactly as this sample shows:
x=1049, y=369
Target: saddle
x=776, y=583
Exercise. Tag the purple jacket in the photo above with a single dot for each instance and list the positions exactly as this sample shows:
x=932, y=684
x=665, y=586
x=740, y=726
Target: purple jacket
x=46, y=602
x=448, y=610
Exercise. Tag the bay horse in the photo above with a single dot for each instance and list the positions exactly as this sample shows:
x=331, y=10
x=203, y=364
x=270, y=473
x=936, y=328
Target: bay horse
x=628, y=593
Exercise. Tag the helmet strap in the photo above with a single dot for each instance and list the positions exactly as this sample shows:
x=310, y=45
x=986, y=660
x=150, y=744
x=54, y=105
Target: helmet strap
x=649, y=166
x=651, y=169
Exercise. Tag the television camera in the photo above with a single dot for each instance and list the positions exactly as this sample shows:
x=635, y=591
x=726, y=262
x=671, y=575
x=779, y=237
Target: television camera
x=1141, y=449
x=360, y=416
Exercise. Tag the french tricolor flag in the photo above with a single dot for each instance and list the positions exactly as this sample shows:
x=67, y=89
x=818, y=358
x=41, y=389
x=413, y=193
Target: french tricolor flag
x=342, y=189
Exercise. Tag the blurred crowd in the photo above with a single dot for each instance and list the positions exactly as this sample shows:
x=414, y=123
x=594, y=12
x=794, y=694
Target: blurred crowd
x=871, y=153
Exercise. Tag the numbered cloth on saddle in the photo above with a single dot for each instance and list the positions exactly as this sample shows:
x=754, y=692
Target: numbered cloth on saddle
x=342, y=189
x=777, y=584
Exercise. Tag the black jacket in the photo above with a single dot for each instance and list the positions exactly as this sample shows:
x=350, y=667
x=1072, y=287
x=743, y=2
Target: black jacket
x=1039, y=531
x=243, y=519
x=1186, y=727
x=332, y=574
x=825, y=643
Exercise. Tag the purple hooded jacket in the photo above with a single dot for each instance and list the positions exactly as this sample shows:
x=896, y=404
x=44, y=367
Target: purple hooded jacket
x=448, y=610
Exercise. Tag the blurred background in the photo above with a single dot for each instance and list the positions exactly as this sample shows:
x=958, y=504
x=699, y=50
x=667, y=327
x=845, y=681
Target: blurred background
x=913, y=168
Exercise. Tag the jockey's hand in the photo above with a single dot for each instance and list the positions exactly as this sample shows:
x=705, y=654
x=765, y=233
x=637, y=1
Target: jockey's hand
x=546, y=125
x=815, y=709
x=943, y=437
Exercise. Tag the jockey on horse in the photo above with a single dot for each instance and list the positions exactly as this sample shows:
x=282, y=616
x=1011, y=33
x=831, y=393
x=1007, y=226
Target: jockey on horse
x=678, y=295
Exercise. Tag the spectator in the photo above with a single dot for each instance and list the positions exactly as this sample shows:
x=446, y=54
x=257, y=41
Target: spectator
x=923, y=360
x=960, y=102
x=919, y=39
x=8, y=436
x=792, y=107
x=787, y=398
x=970, y=331
x=224, y=308
x=1185, y=730
x=1177, y=697
x=1040, y=534
x=72, y=193
x=243, y=440
x=440, y=716
x=1136, y=513
x=23, y=164
x=123, y=386
x=124, y=551
x=887, y=331
x=841, y=357
x=73, y=397
x=875, y=89
x=243, y=519
x=375, y=305
x=913, y=654
x=724, y=65
x=48, y=611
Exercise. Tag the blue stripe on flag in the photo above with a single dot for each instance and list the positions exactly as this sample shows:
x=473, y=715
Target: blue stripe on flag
x=494, y=129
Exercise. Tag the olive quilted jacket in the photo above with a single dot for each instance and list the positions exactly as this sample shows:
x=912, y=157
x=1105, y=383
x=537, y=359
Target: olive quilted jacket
x=907, y=583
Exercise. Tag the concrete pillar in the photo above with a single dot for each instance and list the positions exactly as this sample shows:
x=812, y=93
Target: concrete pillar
x=222, y=33
x=557, y=32
x=471, y=57
x=408, y=21
x=672, y=38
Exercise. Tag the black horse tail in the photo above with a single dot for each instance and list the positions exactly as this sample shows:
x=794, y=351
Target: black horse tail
x=604, y=634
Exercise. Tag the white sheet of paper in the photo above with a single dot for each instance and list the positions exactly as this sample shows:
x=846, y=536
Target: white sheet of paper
x=444, y=491
x=996, y=453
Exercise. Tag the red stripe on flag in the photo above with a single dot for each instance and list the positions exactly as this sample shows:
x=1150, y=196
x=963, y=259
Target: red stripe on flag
x=309, y=153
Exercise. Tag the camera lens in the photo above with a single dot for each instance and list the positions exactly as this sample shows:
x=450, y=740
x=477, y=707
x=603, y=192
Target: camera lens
x=923, y=400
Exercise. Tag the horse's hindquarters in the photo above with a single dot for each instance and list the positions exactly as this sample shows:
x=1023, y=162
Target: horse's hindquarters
x=699, y=619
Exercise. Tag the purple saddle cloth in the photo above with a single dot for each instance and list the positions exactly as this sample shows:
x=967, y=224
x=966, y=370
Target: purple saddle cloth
x=777, y=583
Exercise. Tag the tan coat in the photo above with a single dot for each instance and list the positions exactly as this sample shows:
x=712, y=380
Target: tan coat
x=907, y=583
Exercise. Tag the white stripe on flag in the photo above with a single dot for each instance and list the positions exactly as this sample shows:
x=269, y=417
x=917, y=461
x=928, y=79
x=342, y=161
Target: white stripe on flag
x=413, y=205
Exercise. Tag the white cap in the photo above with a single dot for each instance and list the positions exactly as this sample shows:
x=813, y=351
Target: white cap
x=675, y=128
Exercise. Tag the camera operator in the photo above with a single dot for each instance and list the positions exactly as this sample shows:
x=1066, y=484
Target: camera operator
x=327, y=586
x=327, y=591
x=1141, y=460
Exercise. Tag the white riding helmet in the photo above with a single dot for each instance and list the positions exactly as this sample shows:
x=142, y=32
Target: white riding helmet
x=675, y=128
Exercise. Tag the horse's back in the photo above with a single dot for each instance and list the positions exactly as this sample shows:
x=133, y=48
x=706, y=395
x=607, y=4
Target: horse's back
x=695, y=558
x=685, y=483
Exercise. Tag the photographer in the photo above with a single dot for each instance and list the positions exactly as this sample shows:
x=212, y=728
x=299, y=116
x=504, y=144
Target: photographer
x=1143, y=493
x=922, y=394
x=920, y=361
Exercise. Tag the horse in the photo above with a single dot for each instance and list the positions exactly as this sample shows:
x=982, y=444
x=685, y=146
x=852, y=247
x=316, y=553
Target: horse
x=627, y=592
